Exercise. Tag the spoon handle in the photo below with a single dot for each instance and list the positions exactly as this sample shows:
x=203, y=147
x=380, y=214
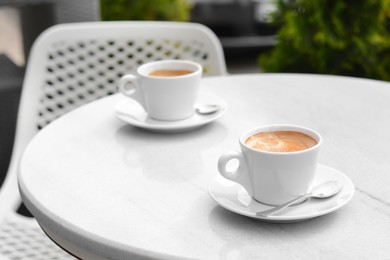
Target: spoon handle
x=269, y=212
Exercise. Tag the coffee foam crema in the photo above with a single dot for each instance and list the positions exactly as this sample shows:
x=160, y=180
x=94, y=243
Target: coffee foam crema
x=169, y=73
x=280, y=141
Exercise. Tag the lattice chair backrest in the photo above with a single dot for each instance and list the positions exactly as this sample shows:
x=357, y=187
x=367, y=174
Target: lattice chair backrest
x=82, y=62
x=72, y=64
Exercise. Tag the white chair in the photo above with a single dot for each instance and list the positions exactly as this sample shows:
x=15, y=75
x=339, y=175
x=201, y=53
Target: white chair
x=70, y=65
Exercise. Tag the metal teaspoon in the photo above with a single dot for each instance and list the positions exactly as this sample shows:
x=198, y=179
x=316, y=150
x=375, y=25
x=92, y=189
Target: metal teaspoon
x=321, y=191
x=206, y=109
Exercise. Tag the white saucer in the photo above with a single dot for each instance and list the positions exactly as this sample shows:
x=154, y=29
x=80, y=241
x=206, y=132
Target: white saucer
x=233, y=197
x=132, y=113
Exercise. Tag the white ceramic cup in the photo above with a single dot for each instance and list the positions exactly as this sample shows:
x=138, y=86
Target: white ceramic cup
x=164, y=98
x=273, y=178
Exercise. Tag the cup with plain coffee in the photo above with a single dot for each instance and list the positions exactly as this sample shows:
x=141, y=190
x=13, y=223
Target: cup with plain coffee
x=277, y=163
x=167, y=89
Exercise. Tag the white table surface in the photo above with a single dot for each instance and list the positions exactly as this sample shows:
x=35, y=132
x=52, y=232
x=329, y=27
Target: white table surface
x=100, y=187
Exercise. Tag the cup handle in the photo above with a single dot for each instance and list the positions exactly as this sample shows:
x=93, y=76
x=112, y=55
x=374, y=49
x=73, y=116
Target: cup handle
x=128, y=85
x=239, y=175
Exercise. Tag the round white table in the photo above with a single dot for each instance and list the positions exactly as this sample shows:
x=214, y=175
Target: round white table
x=101, y=188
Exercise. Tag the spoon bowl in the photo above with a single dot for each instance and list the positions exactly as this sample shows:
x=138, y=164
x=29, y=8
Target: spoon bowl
x=206, y=109
x=321, y=191
x=326, y=190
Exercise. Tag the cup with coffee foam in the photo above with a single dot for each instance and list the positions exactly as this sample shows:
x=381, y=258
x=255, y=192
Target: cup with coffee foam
x=276, y=163
x=167, y=89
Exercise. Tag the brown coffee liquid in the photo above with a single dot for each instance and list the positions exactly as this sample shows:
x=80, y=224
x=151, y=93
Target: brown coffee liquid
x=169, y=73
x=280, y=141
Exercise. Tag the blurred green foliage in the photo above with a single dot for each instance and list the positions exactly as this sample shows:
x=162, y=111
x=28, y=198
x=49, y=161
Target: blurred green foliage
x=331, y=37
x=162, y=10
